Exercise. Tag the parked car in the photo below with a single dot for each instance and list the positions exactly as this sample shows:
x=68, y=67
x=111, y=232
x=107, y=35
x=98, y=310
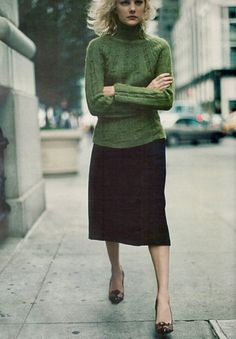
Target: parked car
x=230, y=124
x=189, y=129
x=215, y=120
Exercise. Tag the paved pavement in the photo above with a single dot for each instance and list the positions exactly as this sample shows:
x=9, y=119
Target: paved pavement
x=54, y=282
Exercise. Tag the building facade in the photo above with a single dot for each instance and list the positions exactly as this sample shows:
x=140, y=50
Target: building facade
x=168, y=14
x=204, y=54
x=24, y=185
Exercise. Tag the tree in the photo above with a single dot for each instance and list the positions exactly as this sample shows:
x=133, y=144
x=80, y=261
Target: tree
x=58, y=28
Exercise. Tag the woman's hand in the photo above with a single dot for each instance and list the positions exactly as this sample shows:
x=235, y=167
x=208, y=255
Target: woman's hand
x=109, y=91
x=161, y=82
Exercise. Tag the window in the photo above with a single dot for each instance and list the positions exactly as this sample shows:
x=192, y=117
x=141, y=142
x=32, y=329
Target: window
x=183, y=122
x=232, y=12
x=232, y=35
x=232, y=32
x=194, y=123
x=191, y=122
x=232, y=105
x=188, y=122
x=233, y=56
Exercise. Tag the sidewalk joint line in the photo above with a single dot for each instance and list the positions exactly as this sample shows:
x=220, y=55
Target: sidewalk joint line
x=96, y=322
x=41, y=285
x=217, y=329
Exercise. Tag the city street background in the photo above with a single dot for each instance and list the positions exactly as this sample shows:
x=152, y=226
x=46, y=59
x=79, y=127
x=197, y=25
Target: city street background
x=54, y=283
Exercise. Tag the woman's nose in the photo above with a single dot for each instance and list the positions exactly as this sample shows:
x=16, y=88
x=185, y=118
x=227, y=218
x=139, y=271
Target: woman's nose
x=132, y=7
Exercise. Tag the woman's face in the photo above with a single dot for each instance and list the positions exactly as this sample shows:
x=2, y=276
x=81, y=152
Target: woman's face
x=130, y=12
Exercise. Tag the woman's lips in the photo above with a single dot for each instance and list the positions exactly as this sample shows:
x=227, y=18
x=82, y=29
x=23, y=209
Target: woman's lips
x=132, y=17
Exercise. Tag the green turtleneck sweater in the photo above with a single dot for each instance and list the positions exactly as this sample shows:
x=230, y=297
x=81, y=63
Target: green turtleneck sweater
x=128, y=60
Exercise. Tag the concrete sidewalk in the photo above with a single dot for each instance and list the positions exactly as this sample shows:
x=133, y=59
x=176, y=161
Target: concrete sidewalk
x=54, y=283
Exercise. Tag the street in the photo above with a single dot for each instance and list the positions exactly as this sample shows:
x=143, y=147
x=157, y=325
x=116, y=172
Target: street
x=54, y=283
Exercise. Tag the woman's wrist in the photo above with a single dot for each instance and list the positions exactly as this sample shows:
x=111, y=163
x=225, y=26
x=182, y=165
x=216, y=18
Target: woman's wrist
x=109, y=91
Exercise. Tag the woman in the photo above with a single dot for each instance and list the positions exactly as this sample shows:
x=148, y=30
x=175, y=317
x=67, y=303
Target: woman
x=128, y=77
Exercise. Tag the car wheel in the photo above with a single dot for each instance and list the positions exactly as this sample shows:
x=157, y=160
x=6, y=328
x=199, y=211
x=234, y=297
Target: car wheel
x=215, y=139
x=173, y=140
x=195, y=142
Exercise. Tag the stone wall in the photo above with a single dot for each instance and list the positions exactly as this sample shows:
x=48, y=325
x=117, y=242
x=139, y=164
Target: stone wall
x=19, y=122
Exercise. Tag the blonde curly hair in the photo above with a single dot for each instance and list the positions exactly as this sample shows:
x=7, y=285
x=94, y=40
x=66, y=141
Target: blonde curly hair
x=103, y=19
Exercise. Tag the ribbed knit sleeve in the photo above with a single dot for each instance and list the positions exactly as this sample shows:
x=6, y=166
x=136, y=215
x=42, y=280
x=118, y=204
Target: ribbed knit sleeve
x=98, y=103
x=154, y=98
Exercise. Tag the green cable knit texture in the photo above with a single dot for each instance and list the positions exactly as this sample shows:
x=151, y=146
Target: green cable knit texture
x=129, y=60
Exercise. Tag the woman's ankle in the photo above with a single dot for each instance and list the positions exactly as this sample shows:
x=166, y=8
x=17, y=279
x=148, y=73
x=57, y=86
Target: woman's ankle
x=163, y=296
x=116, y=269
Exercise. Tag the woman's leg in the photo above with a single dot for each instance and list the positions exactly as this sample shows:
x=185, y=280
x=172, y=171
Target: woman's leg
x=160, y=259
x=116, y=268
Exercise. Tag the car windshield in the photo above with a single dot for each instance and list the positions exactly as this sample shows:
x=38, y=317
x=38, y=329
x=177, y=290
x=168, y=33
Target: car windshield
x=191, y=122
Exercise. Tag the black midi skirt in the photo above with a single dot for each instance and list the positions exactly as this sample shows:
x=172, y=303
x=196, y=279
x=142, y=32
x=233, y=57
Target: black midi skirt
x=126, y=194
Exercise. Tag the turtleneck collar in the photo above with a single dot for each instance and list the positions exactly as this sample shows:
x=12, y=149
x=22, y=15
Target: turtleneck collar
x=126, y=32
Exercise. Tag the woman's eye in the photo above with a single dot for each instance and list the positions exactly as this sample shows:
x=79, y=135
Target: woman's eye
x=127, y=2
x=124, y=2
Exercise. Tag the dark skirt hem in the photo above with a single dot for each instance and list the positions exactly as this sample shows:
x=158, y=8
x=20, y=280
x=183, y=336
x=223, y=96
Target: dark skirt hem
x=127, y=242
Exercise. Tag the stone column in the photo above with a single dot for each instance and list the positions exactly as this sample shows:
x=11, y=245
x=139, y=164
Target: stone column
x=25, y=191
